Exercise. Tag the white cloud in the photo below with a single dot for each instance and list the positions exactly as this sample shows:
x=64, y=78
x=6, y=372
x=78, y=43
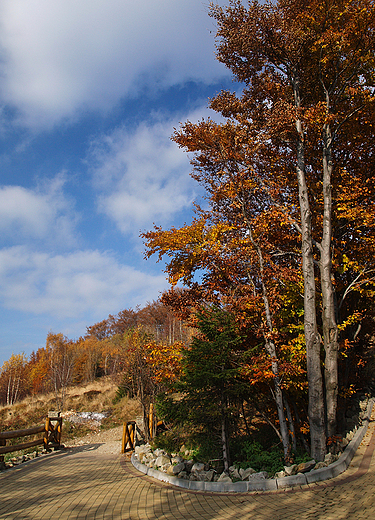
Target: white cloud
x=141, y=175
x=42, y=214
x=60, y=57
x=72, y=285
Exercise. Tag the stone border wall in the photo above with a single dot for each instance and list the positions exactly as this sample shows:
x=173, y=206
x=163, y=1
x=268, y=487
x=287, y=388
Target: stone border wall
x=331, y=471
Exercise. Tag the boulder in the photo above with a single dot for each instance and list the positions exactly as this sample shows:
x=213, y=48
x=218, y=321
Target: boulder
x=209, y=475
x=329, y=458
x=260, y=475
x=170, y=471
x=234, y=474
x=177, y=468
x=159, y=452
x=320, y=465
x=197, y=467
x=291, y=470
x=344, y=443
x=188, y=465
x=245, y=473
x=224, y=477
x=304, y=467
x=161, y=460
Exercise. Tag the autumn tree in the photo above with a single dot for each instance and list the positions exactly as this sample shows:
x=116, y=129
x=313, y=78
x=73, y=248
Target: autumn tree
x=212, y=382
x=13, y=378
x=62, y=357
x=38, y=372
x=148, y=367
x=295, y=144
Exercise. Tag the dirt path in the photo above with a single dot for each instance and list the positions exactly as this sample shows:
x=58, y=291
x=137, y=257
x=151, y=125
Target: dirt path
x=109, y=441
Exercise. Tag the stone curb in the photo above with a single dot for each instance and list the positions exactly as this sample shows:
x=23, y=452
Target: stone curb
x=331, y=471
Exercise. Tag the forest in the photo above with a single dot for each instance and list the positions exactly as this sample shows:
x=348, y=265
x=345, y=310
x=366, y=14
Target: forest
x=270, y=317
x=109, y=348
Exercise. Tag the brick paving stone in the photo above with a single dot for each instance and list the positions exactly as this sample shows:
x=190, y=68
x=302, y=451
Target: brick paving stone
x=85, y=485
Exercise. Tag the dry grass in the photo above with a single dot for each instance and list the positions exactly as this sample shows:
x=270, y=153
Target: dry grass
x=97, y=396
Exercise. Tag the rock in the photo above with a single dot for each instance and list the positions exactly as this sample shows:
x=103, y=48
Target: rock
x=224, y=477
x=183, y=474
x=329, y=458
x=260, y=475
x=349, y=436
x=188, y=465
x=280, y=474
x=176, y=459
x=177, y=468
x=344, y=443
x=197, y=467
x=245, y=473
x=233, y=472
x=170, y=471
x=161, y=460
x=205, y=476
x=291, y=470
x=320, y=465
x=209, y=475
x=304, y=467
x=158, y=452
x=142, y=456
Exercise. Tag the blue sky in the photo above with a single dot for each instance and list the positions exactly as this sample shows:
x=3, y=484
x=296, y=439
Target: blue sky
x=90, y=92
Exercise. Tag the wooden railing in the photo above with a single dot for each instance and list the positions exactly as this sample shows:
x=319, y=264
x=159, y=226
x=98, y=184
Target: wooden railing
x=50, y=439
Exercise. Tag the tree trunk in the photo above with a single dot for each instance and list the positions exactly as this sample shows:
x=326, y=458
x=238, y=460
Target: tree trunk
x=224, y=442
x=312, y=338
x=271, y=348
x=291, y=424
x=330, y=333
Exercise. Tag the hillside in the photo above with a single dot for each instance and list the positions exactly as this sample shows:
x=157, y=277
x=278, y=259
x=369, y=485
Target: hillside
x=97, y=396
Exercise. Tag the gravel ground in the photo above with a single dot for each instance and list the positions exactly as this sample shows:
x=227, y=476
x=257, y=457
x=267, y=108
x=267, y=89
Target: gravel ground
x=109, y=440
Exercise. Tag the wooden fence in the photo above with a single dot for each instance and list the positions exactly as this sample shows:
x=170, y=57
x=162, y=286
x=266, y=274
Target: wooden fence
x=51, y=437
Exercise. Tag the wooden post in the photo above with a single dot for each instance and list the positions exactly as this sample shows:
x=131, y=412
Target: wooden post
x=132, y=434
x=46, y=433
x=59, y=431
x=2, y=463
x=123, y=444
x=128, y=433
x=151, y=421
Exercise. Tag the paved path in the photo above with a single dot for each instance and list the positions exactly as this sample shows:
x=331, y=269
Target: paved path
x=81, y=483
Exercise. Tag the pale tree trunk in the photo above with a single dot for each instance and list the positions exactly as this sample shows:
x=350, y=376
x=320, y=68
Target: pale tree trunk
x=330, y=332
x=312, y=338
x=224, y=439
x=271, y=348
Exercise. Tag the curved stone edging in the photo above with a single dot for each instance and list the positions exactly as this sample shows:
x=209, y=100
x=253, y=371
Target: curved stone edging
x=331, y=471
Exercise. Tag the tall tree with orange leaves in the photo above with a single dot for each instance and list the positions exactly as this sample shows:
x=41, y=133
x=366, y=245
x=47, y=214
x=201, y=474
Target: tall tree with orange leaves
x=295, y=146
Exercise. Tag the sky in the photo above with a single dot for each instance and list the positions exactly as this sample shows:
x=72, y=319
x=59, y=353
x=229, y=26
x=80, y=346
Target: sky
x=90, y=93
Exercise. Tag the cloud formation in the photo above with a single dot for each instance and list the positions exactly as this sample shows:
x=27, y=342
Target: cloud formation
x=40, y=214
x=141, y=175
x=70, y=285
x=59, y=58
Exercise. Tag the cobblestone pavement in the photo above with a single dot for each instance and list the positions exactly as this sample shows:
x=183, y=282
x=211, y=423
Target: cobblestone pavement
x=85, y=483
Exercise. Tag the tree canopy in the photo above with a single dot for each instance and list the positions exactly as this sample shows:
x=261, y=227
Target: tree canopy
x=290, y=187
